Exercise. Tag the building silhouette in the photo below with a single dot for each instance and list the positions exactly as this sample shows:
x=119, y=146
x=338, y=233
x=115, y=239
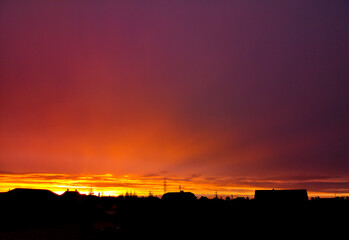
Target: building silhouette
x=31, y=194
x=179, y=196
x=72, y=195
x=281, y=196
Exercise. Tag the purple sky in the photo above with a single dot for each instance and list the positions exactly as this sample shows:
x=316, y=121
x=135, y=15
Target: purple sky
x=257, y=89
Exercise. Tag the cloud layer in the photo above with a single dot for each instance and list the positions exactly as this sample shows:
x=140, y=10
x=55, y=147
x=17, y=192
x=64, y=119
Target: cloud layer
x=109, y=184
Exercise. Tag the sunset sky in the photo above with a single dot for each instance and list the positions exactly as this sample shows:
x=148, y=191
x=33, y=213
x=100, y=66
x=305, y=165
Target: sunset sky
x=212, y=95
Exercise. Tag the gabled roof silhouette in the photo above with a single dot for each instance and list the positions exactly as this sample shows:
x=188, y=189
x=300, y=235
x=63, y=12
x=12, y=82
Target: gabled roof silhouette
x=29, y=193
x=291, y=195
x=71, y=194
x=179, y=196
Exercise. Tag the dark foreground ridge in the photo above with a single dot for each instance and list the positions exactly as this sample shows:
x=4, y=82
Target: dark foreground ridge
x=42, y=214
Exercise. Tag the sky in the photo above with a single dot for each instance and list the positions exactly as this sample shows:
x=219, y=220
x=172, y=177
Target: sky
x=231, y=95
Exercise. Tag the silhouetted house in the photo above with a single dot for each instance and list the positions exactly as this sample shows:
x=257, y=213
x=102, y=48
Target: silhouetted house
x=31, y=194
x=179, y=196
x=71, y=195
x=281, y=196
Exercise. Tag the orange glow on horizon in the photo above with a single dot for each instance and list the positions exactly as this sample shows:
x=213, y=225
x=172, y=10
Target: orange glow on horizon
x=110, y=185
